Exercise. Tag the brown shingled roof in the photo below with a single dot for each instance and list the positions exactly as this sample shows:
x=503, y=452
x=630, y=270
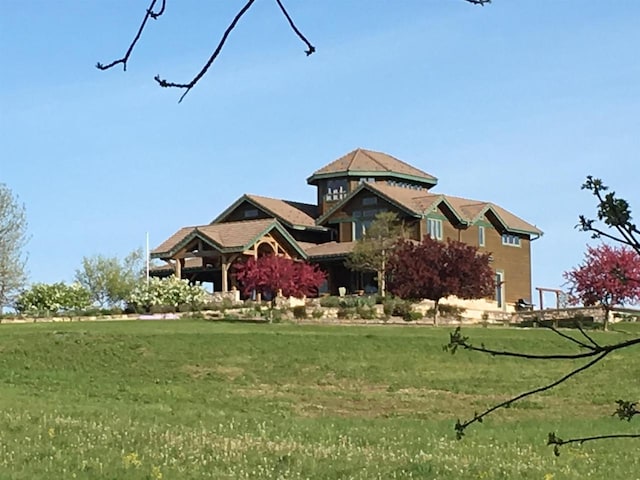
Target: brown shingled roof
x=173, y=240
x=513, y=222
x=329, y=249
x=224, y=235
x=189, y=262
x=361, y=160
x=293, y=213
x=416, y=201
x=419, y=202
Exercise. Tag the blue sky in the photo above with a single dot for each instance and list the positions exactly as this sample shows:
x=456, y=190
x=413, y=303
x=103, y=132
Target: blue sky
x=513, y=103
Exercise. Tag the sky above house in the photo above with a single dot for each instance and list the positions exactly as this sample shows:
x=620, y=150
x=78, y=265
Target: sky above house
x=513, y=103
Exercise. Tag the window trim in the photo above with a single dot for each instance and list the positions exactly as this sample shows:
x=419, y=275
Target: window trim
x=481, y=236
x=511, y=240
x=439, y=234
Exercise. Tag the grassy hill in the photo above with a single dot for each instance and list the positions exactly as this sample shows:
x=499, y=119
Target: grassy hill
x=193, y=399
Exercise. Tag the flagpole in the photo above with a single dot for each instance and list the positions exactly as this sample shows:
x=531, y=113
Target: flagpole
x=147, y=258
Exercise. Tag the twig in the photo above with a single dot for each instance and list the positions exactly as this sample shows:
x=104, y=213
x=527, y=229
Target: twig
x=149, y=14
x=460, y=427
x=310, y=48
x=557, y=442
x=587, y=336
x=203, y=71
x=570, y=338
x=457, y=340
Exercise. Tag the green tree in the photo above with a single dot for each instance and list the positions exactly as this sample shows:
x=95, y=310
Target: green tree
x=110, y=280
x=13, y=239
x=371, y=253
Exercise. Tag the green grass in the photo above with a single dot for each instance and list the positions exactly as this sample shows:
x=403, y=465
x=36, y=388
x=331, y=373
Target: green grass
x=194, y=399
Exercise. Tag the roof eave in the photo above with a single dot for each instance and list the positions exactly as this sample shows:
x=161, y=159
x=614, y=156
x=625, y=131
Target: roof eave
x=313, y=179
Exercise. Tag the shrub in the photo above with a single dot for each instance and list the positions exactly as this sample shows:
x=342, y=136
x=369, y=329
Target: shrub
x=49, y=299
x=397, y=307
x=355, y=302
x=347, y=312
x=451, y=311
x=412, y=316
x=300, y=312
x=331, y=302
x=317, y=313
x=365, y=312
x=169, y=291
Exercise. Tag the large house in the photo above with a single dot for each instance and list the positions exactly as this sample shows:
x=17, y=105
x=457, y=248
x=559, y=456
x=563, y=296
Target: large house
x=350, y=192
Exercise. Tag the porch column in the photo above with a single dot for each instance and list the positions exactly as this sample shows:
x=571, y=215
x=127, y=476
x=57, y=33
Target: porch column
x=177, y=267
x=225, y=273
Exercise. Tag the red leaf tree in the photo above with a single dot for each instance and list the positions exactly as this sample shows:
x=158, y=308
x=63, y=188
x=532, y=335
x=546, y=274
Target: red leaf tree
x=270, y=274
x=434, y=270
x=608, y=276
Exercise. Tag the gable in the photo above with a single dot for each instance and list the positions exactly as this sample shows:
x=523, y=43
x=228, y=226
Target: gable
x=289, y=213
x=242, y=210
x=227, y=237
x=365, y=202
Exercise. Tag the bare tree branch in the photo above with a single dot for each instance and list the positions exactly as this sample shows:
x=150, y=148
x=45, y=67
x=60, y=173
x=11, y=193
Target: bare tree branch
x=460, y=427
x=626, y=410
x=216, y=52
x=310, y=48
x=149, y=14
x=557, y=442
x=573, y=339
x=587, y=336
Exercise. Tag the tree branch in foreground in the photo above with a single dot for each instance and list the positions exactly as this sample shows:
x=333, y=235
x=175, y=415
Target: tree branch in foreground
x=188, y=86
x=150, y=13
x=626, y=410
x=310, y=48
x=615, y=212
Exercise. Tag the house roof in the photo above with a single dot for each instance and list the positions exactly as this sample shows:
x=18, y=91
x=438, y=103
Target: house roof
x=361, y=162
x=329, y=249
x=419, y=203
x=289, y=212
x=227, y=237
x=189, y=262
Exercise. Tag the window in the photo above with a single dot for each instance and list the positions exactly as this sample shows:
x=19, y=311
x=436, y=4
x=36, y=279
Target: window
x=367, y=180
x=481, y=236
x=369, y=200
x=336, y=190
x=360, y=228
x=362, y=220
x=434, y=228
x=510, y=239
x=251, y=213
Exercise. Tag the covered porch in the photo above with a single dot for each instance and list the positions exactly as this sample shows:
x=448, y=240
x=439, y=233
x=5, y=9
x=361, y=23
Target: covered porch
x=207, y=254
